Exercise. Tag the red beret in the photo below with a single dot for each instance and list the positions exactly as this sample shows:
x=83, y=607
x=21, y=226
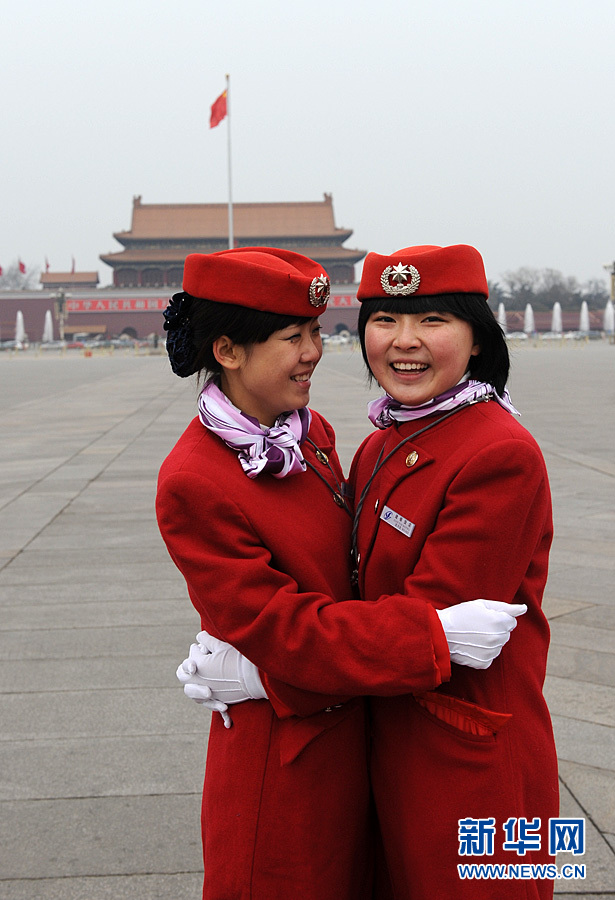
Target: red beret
x=423, y=270
x=263, y=278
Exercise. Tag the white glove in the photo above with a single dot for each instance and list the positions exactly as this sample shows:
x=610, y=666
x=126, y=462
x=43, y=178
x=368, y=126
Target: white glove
x=477, y=630
x=216, y=675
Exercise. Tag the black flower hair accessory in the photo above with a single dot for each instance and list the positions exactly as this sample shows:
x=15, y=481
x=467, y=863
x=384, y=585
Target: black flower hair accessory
x=180, y=347
x=176, y=312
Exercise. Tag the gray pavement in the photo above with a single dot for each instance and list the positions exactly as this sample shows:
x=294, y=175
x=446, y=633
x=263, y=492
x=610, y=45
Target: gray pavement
x=101, y=757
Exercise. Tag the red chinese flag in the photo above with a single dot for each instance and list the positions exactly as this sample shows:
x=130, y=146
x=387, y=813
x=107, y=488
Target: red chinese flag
x=22, y=267
x=1, y=271
x=218, y=110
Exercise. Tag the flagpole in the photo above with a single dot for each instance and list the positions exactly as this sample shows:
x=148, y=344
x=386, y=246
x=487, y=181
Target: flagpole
x=231, y=239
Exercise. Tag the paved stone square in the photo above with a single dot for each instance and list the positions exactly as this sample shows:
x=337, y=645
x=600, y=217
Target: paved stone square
x=101, y=756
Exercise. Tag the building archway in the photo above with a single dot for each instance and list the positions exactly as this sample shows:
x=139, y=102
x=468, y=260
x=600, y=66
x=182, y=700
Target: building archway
x=126, y=278
x=152, y=277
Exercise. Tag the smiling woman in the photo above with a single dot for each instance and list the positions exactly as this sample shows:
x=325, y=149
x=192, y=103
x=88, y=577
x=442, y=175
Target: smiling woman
x=264, y=380
x=416, y=356
x=251, y=508
x=439, y=321
x=449, y=459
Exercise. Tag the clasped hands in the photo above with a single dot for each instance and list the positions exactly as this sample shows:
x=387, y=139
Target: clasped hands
x=217, y=675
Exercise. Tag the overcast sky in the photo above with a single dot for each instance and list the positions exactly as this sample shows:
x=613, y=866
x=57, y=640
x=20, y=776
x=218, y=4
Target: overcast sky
x=488, y=122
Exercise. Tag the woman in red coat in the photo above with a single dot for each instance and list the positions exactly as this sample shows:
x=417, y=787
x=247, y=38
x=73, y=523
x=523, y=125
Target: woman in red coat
x=251, y=507
x=452, y=501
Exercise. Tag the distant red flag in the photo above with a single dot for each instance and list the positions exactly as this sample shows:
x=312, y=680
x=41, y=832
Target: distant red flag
x=22, y=267
x=46, y=264
x=218, y=110
x=1, y=270
x=73, y=266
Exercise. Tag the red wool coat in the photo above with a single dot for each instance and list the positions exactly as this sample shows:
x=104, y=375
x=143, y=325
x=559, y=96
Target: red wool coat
x=475, y=489
x=285, y=802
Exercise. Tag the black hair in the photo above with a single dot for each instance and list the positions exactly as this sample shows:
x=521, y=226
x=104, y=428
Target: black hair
x=492, y=364
x=190, y=344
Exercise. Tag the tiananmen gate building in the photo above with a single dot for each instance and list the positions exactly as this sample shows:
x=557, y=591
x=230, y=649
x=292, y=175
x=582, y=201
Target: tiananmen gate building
x=149, y=268
x=162, y=235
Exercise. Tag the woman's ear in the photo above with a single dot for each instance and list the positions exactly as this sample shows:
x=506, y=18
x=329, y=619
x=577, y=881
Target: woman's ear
x=475, y=350
x=227, y=353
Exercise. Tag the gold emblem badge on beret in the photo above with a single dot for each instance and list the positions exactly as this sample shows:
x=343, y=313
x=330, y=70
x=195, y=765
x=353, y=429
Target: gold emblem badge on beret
x=399, y=274
x=320, y=290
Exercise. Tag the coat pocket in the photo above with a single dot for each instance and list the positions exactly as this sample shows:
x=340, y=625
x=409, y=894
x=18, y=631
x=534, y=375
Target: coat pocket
x=295, y=734
x=472, y=720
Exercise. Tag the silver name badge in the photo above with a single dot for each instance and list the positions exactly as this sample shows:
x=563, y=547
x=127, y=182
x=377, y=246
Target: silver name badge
x=404, y=525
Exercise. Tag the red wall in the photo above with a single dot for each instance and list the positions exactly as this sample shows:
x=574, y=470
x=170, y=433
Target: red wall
x=141, y=309
x=120, y=309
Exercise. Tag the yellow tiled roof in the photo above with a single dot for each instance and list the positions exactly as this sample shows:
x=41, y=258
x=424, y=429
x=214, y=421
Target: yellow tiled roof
x=161, y=256
x=49, y=279
x=250, y=220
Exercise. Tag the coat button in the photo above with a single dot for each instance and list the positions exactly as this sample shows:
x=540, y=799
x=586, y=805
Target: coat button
x=337, y=498
x=411, y=458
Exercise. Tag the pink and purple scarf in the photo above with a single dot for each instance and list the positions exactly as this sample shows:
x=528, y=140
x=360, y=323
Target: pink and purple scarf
x=383, y=411
x=260, y=449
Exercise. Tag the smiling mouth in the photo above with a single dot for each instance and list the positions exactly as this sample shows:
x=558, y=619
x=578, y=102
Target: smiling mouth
x=409, y=367
x=301, y=379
